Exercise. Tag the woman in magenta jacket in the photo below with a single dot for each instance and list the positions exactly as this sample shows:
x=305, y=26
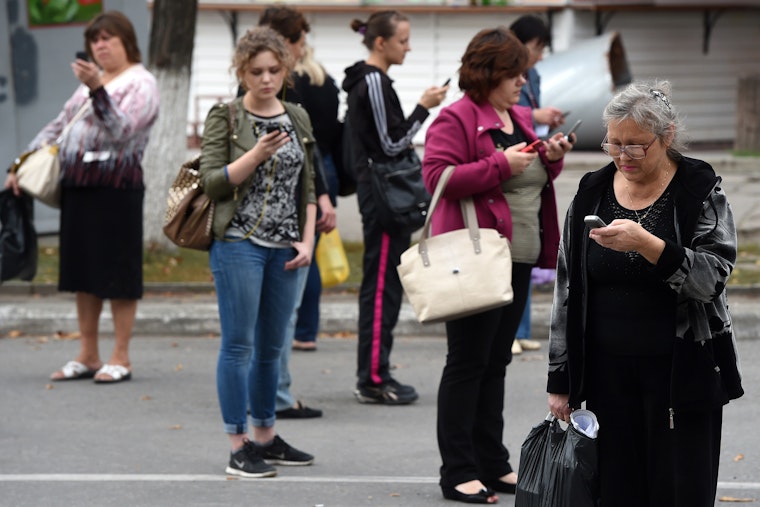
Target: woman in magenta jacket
x=482, y=135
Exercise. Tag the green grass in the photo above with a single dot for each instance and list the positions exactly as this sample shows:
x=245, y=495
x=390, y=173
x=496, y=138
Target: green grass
x=186, y=265
x=747, y=270
x=182, y=265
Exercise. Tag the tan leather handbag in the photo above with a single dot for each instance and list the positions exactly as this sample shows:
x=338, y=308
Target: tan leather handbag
x=189, y=211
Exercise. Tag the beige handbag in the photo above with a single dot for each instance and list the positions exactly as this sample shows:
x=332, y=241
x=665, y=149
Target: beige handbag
x=39, y=171
x=457, y=273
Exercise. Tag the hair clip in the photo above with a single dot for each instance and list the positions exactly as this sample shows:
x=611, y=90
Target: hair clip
x=362, y=29
x=659, y=95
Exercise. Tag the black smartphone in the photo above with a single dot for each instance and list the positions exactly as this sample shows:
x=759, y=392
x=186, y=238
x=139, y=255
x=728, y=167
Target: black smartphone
x=272, y=128
x=594, y=221
x=572, y=130
x=446, y=83
x=82, y=55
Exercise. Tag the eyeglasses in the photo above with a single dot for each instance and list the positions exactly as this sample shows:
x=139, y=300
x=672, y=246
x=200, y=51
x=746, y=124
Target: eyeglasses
x=634, y=151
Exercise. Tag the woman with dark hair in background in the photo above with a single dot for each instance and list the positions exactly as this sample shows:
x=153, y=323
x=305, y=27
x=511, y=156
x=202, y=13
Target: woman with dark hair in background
x=101, y=230
x=319, y=96
x=482, y=135
x=533, y=32
x=378, y=130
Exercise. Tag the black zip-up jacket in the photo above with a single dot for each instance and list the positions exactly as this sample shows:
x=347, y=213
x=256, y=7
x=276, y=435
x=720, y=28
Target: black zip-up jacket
x=705, y=372
x=375, y=122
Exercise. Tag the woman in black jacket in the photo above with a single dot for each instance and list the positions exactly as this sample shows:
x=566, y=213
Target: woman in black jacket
x=640, y=325
x=378, y=130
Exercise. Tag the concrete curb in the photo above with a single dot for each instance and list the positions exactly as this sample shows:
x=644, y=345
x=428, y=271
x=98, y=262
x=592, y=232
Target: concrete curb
x=191, y=310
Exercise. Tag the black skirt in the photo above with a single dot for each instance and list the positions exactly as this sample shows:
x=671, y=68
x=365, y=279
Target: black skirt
x=101, y=242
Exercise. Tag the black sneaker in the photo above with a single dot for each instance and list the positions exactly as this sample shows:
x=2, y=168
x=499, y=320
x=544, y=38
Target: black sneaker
x=248, y=462
x=280, y=452
x=387, y=393
x=300, y=411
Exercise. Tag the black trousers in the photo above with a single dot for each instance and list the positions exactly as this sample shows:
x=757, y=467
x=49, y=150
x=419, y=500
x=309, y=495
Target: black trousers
x=471, y=393
x=380, y=295
x=642, y=462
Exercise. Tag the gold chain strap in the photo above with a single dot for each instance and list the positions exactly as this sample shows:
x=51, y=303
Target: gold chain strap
x=270, y=179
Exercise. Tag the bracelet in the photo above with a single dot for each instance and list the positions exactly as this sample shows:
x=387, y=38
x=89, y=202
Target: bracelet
x=226, y=174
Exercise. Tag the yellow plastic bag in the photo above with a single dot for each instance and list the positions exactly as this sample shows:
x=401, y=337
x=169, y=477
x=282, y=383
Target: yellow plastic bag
x=331, y=259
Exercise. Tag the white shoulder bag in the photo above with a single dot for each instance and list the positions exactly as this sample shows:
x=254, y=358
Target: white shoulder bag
x=39, y=171
x=457, y=273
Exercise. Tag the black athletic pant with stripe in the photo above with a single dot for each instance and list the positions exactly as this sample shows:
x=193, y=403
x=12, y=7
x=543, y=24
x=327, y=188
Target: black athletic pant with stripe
x=381, y=293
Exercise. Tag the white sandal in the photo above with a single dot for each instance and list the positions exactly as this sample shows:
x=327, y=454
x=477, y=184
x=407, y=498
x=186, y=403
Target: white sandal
x=117, y=372
x=73, y=370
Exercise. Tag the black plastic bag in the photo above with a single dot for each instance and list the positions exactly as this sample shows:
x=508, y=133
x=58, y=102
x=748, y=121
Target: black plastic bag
x=558, y=468
x=18, y=238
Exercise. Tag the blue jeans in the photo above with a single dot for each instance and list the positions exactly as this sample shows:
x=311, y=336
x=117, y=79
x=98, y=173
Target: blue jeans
x=307, y=325
x=307, y=322
x=284, y=398
x=524, y=331
x=256, y=297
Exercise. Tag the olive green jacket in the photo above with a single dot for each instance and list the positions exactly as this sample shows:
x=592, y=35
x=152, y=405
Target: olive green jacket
x=219, y=148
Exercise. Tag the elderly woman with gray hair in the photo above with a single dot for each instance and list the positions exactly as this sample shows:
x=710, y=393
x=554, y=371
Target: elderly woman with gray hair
x=640, y=326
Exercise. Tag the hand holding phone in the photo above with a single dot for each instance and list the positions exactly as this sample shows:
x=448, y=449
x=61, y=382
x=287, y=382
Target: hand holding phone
x=81, y=55
x=593, y=221
x=531, y=146
x=572, y=130
x=272, y=128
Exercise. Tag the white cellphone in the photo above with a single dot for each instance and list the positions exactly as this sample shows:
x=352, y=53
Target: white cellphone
x=594, y=221
x=572, y=130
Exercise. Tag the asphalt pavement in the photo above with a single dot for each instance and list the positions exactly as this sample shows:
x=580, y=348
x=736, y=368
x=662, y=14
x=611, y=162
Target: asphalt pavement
x=157, y=440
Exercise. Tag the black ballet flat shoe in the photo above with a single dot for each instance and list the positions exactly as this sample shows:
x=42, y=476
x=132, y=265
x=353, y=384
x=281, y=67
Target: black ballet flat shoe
x=501, y=486
x=482, y=496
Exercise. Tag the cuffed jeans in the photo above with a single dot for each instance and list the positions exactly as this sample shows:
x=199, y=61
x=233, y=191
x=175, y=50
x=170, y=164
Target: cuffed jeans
x=284, y=398
x=256, y=298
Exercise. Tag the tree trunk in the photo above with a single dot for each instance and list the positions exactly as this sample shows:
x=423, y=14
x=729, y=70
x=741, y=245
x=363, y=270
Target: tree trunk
x=172, y=37
x=748, y=115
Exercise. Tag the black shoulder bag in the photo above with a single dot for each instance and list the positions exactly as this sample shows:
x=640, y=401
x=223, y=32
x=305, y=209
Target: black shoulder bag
x=400, y=195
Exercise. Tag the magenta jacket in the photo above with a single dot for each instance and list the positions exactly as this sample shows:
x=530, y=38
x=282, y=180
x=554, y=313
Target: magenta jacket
x=459, y=136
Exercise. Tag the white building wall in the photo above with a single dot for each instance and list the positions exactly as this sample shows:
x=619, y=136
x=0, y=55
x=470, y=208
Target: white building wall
x=669, y=46
x=663, y=44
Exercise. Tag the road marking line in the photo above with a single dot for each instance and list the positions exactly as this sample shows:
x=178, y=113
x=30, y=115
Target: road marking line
x=216, y=478
x=203, y=478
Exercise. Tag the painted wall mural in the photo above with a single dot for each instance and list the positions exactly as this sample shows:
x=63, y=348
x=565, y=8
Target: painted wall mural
x=62, y=12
